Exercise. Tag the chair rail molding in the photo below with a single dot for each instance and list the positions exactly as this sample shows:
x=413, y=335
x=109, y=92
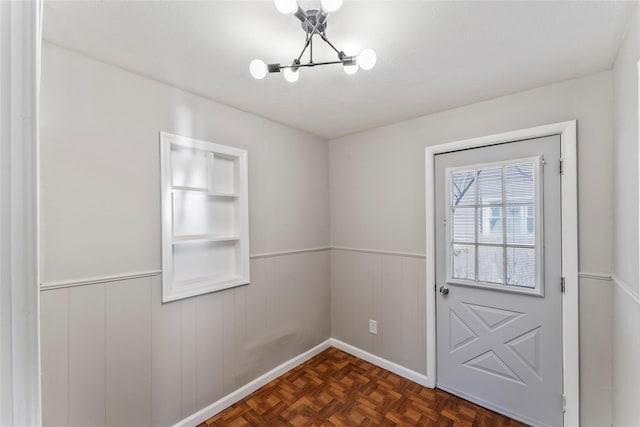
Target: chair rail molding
x=97, y=280
x=118, y=277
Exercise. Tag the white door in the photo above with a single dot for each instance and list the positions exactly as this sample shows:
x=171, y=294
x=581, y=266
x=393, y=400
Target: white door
x=498, y=274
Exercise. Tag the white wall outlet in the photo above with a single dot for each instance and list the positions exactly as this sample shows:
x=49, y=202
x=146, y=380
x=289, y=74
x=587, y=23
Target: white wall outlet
x=373, y=327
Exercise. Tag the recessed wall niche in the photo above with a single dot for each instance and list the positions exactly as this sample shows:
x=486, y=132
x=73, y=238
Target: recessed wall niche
x=205, y=222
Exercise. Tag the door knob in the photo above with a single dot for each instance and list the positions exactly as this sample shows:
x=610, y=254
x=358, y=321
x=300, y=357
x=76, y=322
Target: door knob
x=444, y=290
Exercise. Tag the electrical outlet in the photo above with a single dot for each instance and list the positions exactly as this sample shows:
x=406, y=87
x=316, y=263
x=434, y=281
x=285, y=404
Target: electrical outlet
x=373, y=327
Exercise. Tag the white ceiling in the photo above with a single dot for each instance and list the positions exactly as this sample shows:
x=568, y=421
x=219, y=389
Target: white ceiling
x=431, y=55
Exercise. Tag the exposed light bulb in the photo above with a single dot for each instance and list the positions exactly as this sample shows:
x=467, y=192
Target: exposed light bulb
x=351, y=69
x=331, y=5
x=367, y=59
x=258, y=69
x=286, y=6
x=290, y=75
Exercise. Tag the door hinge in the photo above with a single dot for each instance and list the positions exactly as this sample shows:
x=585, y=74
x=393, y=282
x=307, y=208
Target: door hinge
x=561, y=166
x=564, y=403
x=562, y=284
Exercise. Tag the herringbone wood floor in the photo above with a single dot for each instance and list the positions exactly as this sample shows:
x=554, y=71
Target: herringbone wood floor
x=337, y=389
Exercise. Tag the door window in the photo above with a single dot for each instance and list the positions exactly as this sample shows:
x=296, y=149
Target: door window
x=494, y=227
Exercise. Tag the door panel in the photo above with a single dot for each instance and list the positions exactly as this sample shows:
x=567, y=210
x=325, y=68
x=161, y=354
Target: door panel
x=499, y=327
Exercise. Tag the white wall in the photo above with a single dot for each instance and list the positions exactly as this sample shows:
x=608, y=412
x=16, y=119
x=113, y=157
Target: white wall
x=100, y=174
x=377, y=202
x=626, y=304
x=112, y=354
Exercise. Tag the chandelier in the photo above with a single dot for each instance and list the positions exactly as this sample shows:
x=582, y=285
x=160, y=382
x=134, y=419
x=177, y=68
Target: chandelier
x=314, y=23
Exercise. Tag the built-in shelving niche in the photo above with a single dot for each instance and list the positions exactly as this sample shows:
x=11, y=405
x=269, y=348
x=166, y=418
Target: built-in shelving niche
x=205, y=226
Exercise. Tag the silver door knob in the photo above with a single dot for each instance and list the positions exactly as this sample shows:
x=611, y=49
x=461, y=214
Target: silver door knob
x=444, y=290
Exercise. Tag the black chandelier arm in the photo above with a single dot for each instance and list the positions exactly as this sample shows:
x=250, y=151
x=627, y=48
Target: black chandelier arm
x=339, y=52
x=309, y=40
x=276, y=68
x=310, y=64
x=304, y=49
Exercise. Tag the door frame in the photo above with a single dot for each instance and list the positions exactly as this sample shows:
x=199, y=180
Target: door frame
x=20, y=66
x=569, y=199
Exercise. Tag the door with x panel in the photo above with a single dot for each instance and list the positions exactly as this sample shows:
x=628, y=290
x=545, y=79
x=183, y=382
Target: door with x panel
x=498, y=274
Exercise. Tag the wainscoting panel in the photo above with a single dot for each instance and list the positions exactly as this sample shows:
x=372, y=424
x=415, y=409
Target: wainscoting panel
x=390, y=323
x=128, y=352
x=166, y=360
x=54, y=331
x=209, y=328
x=189, y=344
x=113, y=354
x=354, y=278
x=626, y=348
x=87, y=355
x=596, y=351
x=386, y=288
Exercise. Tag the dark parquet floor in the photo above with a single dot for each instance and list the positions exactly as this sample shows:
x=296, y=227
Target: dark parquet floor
x=337, y=389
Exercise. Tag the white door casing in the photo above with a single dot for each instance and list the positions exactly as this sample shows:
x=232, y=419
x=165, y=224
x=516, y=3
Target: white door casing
x=20, y=42
x=499, y=339
x=567, y=131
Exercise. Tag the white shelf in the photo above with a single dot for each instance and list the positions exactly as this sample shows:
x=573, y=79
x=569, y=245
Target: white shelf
x=224, y=195
x=204, y=191
x=205, y=219
x=217, y=280
x=195, y=189
x=204, y=238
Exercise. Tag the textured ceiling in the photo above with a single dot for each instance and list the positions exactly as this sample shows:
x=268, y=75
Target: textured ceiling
x=431, y=55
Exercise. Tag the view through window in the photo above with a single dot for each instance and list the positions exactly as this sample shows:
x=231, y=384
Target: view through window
x=492, y=224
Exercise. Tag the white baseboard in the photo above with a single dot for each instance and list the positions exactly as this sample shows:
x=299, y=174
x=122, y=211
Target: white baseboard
x=384, y=363
x=236, y=396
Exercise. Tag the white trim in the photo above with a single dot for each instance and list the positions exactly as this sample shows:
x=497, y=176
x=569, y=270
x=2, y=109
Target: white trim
x=626, y=288
x=595, y=276
x=570, y=312
x=377, y=251
x=292, y=252
x=581, y=274
x=97, y=280
x=20, y=42
x=570, y=343
x=407, y=373
x=239, y=394
x=57, y=284
x=638, y=159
